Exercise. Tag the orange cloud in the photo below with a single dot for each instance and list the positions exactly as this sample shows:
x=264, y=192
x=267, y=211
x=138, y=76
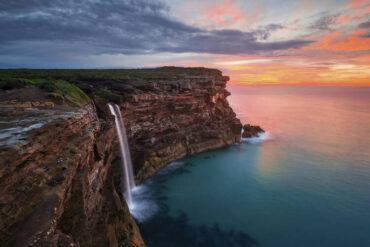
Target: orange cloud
x=343, y=19
x=286, y=75
x=276, y=74
x=357, y=3
x=219, y=14
x=225, y=13
x=338, y=42
x=300, y=71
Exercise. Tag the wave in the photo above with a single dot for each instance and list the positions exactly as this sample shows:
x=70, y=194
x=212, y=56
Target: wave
x=262, y=136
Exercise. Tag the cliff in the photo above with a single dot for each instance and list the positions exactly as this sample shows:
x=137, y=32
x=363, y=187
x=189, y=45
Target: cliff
x=59, y=178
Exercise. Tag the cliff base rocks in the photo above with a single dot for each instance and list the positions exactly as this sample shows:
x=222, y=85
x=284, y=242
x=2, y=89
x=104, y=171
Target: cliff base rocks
x=251, y=131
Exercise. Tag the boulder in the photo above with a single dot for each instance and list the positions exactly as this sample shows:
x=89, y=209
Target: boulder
x=251, y=131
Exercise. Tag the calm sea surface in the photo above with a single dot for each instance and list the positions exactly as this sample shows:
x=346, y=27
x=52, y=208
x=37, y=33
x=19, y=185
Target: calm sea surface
x=305, y=183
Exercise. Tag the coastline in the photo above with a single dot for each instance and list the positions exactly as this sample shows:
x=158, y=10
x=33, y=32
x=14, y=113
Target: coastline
x=75, y=159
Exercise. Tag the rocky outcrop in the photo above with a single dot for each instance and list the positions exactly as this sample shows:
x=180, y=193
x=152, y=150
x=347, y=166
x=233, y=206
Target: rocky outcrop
x=59, y=184
x=251, y=131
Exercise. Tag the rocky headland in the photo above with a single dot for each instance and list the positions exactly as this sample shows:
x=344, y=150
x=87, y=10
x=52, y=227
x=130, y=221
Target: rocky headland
x=60, y=172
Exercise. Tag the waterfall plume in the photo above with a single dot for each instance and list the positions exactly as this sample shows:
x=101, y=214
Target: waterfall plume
x=128, y=176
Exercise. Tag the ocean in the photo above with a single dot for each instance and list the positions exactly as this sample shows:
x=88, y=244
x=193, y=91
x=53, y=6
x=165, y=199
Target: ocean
x=305, y=182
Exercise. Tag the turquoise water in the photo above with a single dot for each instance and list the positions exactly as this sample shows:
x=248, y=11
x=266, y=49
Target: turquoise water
x=306, y=185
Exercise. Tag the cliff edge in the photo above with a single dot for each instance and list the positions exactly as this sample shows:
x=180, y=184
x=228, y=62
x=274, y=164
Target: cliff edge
x=60, y=173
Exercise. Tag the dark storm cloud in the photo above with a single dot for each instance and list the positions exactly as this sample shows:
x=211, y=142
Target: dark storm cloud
x=117, y=27
x=230, y=42
x=324, y=22
x=365, y=26
x=365, y=36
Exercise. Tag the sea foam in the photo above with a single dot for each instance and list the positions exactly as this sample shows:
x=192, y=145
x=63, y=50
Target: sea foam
x=144, y=202
x=262, y=136
x=143, y=206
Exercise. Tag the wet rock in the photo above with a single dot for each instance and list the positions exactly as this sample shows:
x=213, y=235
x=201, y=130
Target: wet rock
x=251, y=131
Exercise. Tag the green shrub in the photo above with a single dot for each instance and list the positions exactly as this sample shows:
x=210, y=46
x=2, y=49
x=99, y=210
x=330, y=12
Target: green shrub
x=49, y=86
x=106, y=94
x=69, y=92
x=11, y=83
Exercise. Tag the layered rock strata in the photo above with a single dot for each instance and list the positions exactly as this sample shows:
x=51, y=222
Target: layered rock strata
x=194, y=116
x=59, y=182
x=57, y=187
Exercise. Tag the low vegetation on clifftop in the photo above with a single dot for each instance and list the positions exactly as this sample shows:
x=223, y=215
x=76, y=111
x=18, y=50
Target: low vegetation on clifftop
x=71, y=86
x=167, y=72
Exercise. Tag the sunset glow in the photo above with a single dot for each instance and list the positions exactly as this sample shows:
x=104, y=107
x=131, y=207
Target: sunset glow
x=255, y=42
x=338, y=55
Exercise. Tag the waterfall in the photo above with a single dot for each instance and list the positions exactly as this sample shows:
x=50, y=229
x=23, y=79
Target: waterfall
x=127, y=156
x=128, y=175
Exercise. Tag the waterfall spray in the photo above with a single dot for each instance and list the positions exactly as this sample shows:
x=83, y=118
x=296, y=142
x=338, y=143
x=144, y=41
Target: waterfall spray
x=126, y=157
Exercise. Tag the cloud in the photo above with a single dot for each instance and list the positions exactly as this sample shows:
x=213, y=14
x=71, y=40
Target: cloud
x=365, y=35
x=365, y=26
x=263, y=32
x=341, y=42
x=324, y=22
x=92, y=27
x=230, y=42
x=246, y=61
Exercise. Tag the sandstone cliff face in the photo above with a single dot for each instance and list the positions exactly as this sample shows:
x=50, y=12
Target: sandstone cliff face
x=57, y=187
x=59, y=183
x=193, y=116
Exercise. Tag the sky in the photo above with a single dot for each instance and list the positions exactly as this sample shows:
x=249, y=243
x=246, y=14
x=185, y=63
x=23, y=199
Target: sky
x=264, y=42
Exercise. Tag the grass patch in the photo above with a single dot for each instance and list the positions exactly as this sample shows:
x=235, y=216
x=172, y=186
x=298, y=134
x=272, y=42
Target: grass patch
x=59, y=88
x=106, y=94
x=70, y=92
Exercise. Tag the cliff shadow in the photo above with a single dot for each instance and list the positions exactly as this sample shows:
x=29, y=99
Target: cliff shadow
x=165, y=231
